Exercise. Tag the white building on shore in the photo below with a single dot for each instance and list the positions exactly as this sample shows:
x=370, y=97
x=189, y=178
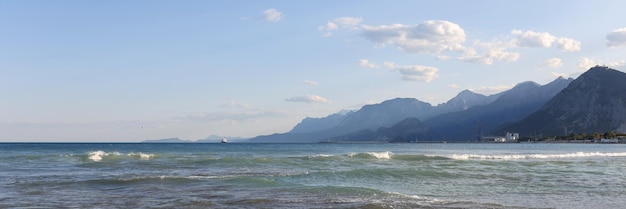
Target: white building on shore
x=509, y=137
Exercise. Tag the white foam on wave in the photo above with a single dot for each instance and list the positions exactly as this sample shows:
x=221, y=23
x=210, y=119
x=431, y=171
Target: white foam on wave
x=323, y=155
x=97, y=156
x=417, y=197
x=535, y=156
x=378, y=155
x=318, y=156
x=381, y=155
x=141, y=155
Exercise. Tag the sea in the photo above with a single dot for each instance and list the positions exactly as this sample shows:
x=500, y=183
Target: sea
x=248, y=175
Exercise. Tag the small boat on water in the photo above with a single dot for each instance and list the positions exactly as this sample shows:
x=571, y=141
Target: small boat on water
x=224, y=140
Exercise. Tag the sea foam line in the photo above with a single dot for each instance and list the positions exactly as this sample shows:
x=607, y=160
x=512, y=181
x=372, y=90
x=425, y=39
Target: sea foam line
x=97, y=156
x=535, y=156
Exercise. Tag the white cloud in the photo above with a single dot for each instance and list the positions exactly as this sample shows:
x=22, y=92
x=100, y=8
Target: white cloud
x=312, y=83
x=440, y=38
x=429, y=37
x=533, y=39
x=544, y=40
x=455, y=86
x=490, y=56
x=615, y=64
x=585, y=63
x=308, y=99
x=272, y=15
x=418, y=73
x=368, y=64
x=328, y=26
x=389, y=65
x=567, y=44
x=616, y=38
x=349, y=21
x=552, y=63
x=493, y=51
x=414, y=72
x=407, y=72
x=342, y=21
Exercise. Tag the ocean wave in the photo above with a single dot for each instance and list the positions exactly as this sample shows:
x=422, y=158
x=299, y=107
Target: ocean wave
x=369, y=155
x=376, y=155
x=535, y=156
x=97, y=156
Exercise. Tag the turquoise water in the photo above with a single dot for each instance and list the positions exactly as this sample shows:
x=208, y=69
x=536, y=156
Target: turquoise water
x=312, y=175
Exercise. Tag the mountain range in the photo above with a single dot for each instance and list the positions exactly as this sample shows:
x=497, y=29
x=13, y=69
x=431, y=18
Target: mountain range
x=373, y=116
x=595, y=101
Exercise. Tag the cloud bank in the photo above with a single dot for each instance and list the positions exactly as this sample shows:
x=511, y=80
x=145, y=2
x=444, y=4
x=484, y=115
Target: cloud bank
x=544, y=40
x=444, y=39
x=429, y=37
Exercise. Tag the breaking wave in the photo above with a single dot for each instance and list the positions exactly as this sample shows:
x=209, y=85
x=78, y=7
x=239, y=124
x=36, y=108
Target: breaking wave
x=368, y=155
x=535, y=156
x=378, y=156
x=97, y=156
x=387, y=155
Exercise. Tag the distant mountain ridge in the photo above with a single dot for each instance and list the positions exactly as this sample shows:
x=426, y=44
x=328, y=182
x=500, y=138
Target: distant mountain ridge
x=513, y=105
x=389, y=112
x=372, y=117
x=316, y=124
x=594, y=102
x=470, y=124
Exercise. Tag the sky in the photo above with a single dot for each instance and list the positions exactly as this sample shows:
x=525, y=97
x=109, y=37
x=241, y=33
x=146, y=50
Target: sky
x=127, y=71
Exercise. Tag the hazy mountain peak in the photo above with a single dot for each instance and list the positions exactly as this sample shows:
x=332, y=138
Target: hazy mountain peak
x=466, y=93
x=401, y=101
x=527, y=84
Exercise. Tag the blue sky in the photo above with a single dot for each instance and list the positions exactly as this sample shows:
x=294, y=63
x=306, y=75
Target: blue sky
x=121, y=71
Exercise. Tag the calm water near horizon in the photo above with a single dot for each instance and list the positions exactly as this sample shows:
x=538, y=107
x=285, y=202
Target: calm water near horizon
x=242, y=175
